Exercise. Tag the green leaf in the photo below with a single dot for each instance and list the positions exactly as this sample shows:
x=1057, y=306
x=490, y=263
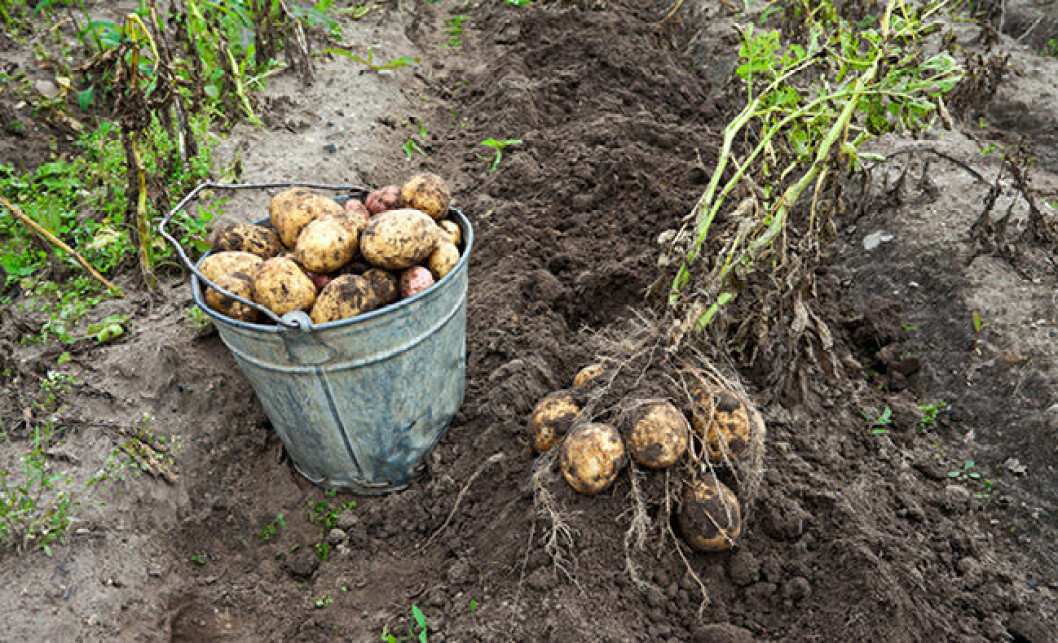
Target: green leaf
x=85, y=98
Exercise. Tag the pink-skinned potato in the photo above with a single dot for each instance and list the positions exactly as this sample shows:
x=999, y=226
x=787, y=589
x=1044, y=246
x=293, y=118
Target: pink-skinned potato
x=327, y=244
x=281, y=286
x=356, y=206
x=294, y=208
x=399, y=239
x=428, y=193
x=415, y=280
x=344, y=297
x=382, y=199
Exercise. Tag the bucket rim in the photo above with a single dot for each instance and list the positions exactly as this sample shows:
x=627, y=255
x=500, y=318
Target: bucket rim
x=468, y=245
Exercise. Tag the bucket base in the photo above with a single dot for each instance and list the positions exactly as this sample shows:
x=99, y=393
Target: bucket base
x=363, y=488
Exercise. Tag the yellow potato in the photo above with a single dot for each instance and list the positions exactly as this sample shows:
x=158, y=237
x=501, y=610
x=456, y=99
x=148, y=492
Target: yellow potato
x=443, y=260
x=660, y=437
x=237, y=283
x=344, y=297
x=587, y=374
x=551, y=420
x=385, y=284
x=281, y=286
x=721, y=418
x=255, y=239
x=592, y=456
x=327, y=243
x=426, y=192
x=223, y=263
x=399, y=239
x=451, y=231
x=294, y=208
x=710, y=517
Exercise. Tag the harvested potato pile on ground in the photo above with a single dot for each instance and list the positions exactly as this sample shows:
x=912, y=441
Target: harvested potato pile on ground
x=336, y=261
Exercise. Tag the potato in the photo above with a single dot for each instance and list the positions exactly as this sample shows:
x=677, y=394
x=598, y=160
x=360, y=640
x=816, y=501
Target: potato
x=281, y=286
x=551, y=420
x=592, y=456
x=255, y=239
x=383, y=199
x=326, y=244
x=223, y=263
x=720, y=417
x=237, y=283
x=451, y=231
x=294, y=208
x=414, y=280
x=399, y=239
x=443, y=260
x=345, y=297
x=357, y=207
x=320, y=280
x=587, y=374
x=710, y=517
x=385, y=284
x=660, y=437
x=428, y=193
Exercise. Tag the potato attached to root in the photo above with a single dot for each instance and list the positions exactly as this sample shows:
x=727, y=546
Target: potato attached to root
x=255, y=239
x=660, y=437
x=294, y=208
x=442, y=260
x=428, y=193
x=551, y=420
x=722, y=420
x=710, y=516
x=237, y=283
x=399, y=239
x=587, y=374
x=281, y=286
x=223, y=263
x=592, y=456
x=327, y=243
x=344, y=297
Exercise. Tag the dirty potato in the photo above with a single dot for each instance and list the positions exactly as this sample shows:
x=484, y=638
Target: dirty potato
x=382, y=199
x=385, y=284
x=443, y=260
x=451, y=231
x=255, y=239
x=326, y=244
x=414, y=280
x=294, y=208
x=587, y=374
x=721, y=418
x=345, y=297
x=428, y=193
x=223, y=263
x=592, y=456
x=399, y=239
x=237, y=283
x=356, y=206
x=551, y=420
x=281, y=286
x=710, y=517
x=660, y=437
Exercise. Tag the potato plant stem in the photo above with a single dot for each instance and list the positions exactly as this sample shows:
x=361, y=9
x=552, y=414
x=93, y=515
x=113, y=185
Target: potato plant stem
x=58, y=243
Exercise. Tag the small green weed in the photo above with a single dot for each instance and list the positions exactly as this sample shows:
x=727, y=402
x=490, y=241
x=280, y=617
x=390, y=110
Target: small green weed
x=271, y=530
x=930, y=413
x=34, y=501
x=198, y=558
x=877, y=421
x=387, y=67
x=197, y=318
x=1051, y=48
x=969, y=474
x=498, y=146
x=417, y=630
x=454, y=29
x=325, y=515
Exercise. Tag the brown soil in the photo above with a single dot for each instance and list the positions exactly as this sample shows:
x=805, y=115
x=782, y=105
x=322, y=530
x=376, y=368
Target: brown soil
x=854, y=537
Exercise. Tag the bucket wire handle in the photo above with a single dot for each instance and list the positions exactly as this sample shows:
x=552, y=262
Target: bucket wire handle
x=285, y=323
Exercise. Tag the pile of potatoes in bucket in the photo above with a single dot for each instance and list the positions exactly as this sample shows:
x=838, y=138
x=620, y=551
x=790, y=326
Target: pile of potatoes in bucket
x=335, y=261
x=723, y=427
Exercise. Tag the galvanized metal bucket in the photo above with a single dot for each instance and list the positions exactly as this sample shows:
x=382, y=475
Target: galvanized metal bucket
x=358, y=402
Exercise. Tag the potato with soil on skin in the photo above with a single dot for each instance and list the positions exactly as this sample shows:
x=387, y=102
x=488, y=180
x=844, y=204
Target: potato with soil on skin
x=399, y=239
x=592, y=456
x=294, y=208
x=721, y=418
x=428, y=193
x=345, y=297
x=551, y=420
x=443, y=260
x=710, y=516
x=356, y=206
x=451, y=231
x=382, y=199
x=281, y=286
x=327, y=244
x=660, y=437
x=588, y=373
x=223, y=263
x=414, y=280
x=255, y=239
x=237, y=283
x=385, y=284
